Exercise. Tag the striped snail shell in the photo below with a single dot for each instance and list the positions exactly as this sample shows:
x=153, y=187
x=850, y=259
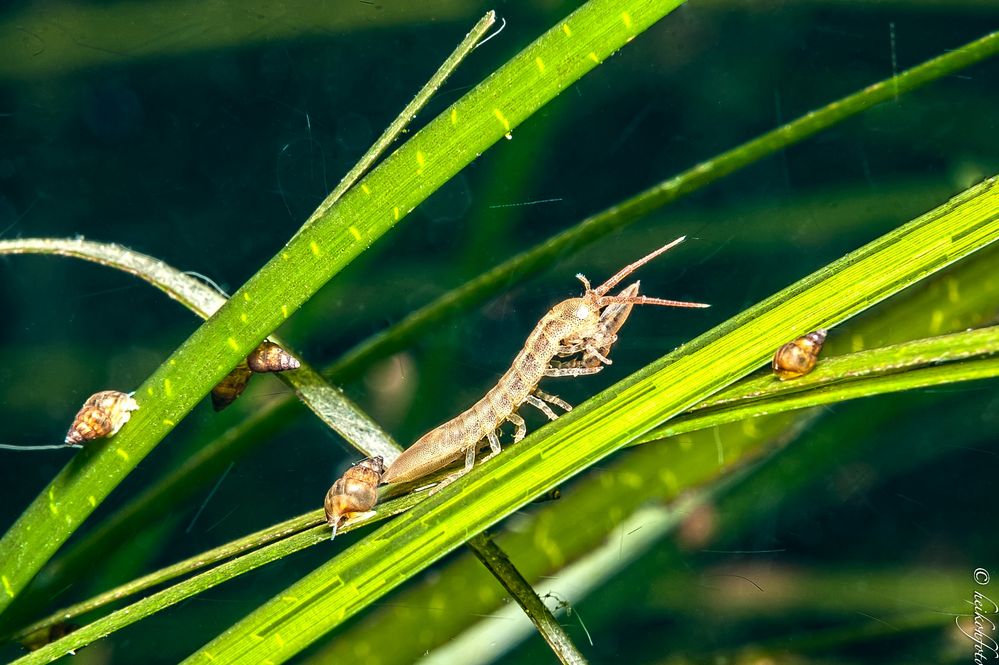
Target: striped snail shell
x=798, y=357
x=103, y=414
x=355, y=492
x=269, y=357
x=231, y=387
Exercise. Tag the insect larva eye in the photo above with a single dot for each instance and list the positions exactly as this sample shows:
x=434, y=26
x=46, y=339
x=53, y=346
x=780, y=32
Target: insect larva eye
x=231, y=387
x=103, y=414
x=798, y=357
x=269, y=357
x=354, y=492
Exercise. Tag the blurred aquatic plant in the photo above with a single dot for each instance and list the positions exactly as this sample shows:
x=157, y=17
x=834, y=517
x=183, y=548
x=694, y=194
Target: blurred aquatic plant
x=656, y=402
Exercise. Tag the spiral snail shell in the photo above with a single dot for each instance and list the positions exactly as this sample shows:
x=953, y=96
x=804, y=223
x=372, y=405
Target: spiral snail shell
x=269, y=357
x=798, y=357
x=354, y=492
x=103, y=414
x=231, y=387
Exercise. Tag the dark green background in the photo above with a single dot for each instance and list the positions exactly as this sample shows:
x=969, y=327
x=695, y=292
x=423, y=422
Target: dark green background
x=210, y=154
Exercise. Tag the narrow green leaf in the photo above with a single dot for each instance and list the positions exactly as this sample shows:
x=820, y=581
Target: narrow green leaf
x=318, y=251
x=341, y=588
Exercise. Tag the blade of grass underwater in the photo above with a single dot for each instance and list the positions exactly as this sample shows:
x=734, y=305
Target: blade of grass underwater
x=591, y=514
x=877, y=372
x=273, y=543
x=339, y=589
x=325, y=400
x=315, y=254
x=213, y=456
x=634, y=208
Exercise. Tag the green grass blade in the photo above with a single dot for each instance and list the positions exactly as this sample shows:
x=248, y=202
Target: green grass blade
x=249, y=552
x=634, y=208
x=317, y=252
x=213, y=456
x=877, y=372
x=325, y=400
x=341, y=588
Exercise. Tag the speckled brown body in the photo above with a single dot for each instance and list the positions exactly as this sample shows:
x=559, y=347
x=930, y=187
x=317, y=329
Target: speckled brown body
x=450, y=442
x=586, y=325
x=798, y=357
x=102, y=415
x=354, y=492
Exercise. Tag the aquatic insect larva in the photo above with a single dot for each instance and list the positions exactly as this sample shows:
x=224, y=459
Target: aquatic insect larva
x=587, y=325
x=269, y=357
x=354, y=492
x=798, y=357
x=103, y=414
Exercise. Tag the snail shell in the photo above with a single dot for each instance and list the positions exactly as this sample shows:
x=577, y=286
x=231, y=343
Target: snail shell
x=269, y=357
x=103, y=414
x=798, y=357
x=46, y=635
x=355, y=492
x=231, y=387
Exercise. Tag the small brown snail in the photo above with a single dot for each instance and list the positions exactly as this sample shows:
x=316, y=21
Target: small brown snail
x=47, y=634
x=269, y=357
x=798, y=357
x=103, y=414
x=354, y=492
x=231, y=387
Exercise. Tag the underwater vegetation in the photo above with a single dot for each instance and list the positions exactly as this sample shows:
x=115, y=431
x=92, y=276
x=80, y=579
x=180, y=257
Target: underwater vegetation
x=832, y=166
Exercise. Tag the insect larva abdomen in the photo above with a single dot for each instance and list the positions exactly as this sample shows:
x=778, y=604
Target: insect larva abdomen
x=103, y=414
x=798, y=357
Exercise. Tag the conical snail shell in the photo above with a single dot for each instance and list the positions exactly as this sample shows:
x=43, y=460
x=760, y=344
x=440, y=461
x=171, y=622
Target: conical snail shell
x=355, y=492
x=798, y=357
x=103, y=414
x=269, y=357
x=231, y=387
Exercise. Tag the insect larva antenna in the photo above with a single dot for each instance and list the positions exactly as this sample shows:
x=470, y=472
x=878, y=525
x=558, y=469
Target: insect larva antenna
x=646, y=300
x=632, y=267
x=581, y=277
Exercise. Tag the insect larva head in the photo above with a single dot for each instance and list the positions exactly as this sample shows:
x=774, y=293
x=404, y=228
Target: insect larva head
x=798, y=357
x=231, y=387
x=103, y=414
x=269, y=357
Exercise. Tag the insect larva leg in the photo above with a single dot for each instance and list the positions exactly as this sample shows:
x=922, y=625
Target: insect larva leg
x=595, y=353
x=469, y=463
x=538, y=404
x=572, y=371
x=553, y=399
x=494, y=447
x=518, y=422
x=569, y=349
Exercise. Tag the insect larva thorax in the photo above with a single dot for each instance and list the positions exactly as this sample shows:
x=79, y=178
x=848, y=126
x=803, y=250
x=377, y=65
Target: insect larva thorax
x=568, y=321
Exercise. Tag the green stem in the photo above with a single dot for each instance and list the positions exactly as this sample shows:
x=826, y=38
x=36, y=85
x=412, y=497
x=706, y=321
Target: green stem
x=315, y=254
x=499, y=564
x=342, y=587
